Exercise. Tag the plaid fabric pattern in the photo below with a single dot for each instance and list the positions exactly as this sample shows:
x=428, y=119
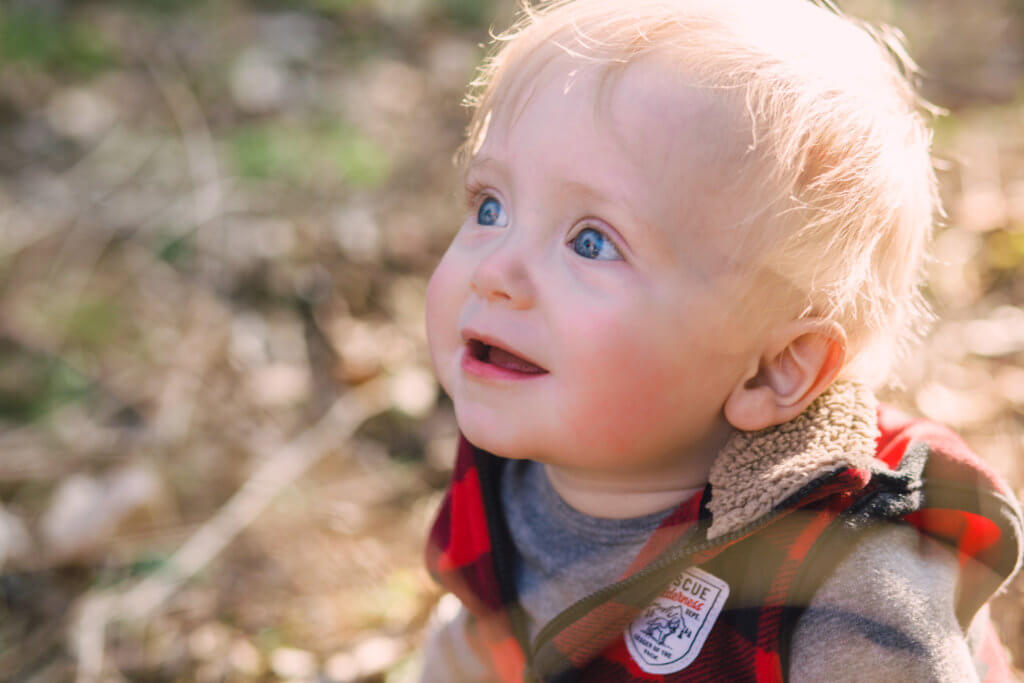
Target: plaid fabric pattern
x=772, y=567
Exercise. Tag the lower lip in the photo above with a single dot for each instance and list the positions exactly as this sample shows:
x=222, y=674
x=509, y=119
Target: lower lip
x=478, y=368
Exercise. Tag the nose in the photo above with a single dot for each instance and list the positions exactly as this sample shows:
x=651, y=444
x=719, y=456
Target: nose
x=503, y=277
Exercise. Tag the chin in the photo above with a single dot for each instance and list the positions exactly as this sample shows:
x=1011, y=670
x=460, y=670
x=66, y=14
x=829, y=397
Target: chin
x=494, y=440
x=485, y=439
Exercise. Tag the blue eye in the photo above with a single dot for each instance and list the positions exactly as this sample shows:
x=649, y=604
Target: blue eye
x=491, y=212
x=592, y=244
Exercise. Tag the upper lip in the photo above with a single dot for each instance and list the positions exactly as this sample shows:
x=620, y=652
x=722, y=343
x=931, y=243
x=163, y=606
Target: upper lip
x=469, y=334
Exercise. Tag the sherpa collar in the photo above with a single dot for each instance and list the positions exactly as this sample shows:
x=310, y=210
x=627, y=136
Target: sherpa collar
x=756, y=471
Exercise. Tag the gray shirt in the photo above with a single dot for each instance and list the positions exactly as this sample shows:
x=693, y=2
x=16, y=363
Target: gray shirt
x=564, y=555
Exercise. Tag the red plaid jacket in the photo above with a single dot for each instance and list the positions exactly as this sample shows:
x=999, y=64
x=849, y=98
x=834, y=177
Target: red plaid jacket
x=923, y=475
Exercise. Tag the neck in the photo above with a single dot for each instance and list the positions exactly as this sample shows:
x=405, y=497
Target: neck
x=613, y=497
x=631, y=492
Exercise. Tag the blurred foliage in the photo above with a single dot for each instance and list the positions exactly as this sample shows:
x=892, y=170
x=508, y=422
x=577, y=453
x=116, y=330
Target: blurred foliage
x=93, y=323
x=339, y=7
x=465, y=13
x=146, y=563
x=47, y=41
x=1004, y=249
x=162, y=6
x=323, y=153
x=176, y=249
x=32, y=384
x=472, y=13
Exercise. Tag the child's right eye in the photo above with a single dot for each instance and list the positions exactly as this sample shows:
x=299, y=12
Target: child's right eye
x=491, y=213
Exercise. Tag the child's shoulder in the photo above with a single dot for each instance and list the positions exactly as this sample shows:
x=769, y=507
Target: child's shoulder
x=909, y=583
x=953, y=495
x=888, y=606
x=961, y=496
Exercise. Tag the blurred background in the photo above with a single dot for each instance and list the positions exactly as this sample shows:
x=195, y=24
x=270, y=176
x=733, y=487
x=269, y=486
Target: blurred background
x=220, y=442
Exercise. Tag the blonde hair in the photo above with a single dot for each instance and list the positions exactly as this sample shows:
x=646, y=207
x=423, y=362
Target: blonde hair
x=832, y=113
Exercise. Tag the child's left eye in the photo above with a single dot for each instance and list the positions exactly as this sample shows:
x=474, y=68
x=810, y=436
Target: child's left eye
x=592, y=244
x=491, y=213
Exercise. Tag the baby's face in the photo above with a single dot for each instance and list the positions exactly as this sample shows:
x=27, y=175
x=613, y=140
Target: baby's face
x=584, y=315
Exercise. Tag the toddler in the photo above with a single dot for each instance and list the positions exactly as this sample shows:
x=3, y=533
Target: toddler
x=693, y=239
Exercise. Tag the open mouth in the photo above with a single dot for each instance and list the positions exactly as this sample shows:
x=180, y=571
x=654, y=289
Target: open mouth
x=499, y=357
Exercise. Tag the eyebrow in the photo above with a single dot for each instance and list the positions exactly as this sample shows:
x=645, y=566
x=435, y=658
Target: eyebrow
x=636, y=222
x=478, y=161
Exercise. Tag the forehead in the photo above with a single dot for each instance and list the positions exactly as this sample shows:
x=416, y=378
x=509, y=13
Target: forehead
x=640, y=104
x=641, y=134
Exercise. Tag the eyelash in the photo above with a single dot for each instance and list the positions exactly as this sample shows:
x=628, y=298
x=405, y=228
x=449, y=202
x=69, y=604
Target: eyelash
x=476, y=193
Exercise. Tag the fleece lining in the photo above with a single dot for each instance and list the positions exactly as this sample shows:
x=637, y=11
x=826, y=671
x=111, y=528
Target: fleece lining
x=758, y=470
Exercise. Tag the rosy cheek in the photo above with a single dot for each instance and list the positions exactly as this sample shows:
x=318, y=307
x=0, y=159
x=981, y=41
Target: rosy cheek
x=593, y=369
x=433, y=313
x=445, y=285
x=435, y=298
x=443, y=302
x=618, y=380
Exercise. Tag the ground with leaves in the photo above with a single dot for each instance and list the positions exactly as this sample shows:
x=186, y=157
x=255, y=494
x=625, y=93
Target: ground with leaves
x=216, y=225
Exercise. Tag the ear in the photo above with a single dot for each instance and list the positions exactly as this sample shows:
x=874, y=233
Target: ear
x=800, y=361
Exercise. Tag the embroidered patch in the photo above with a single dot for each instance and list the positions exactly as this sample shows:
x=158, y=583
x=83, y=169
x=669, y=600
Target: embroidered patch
x=669, y=633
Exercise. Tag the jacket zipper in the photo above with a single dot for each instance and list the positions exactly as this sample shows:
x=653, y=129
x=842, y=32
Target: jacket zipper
x=586, y=604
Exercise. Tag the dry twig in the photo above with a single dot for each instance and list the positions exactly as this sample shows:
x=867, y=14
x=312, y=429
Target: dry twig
x=95, y=610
